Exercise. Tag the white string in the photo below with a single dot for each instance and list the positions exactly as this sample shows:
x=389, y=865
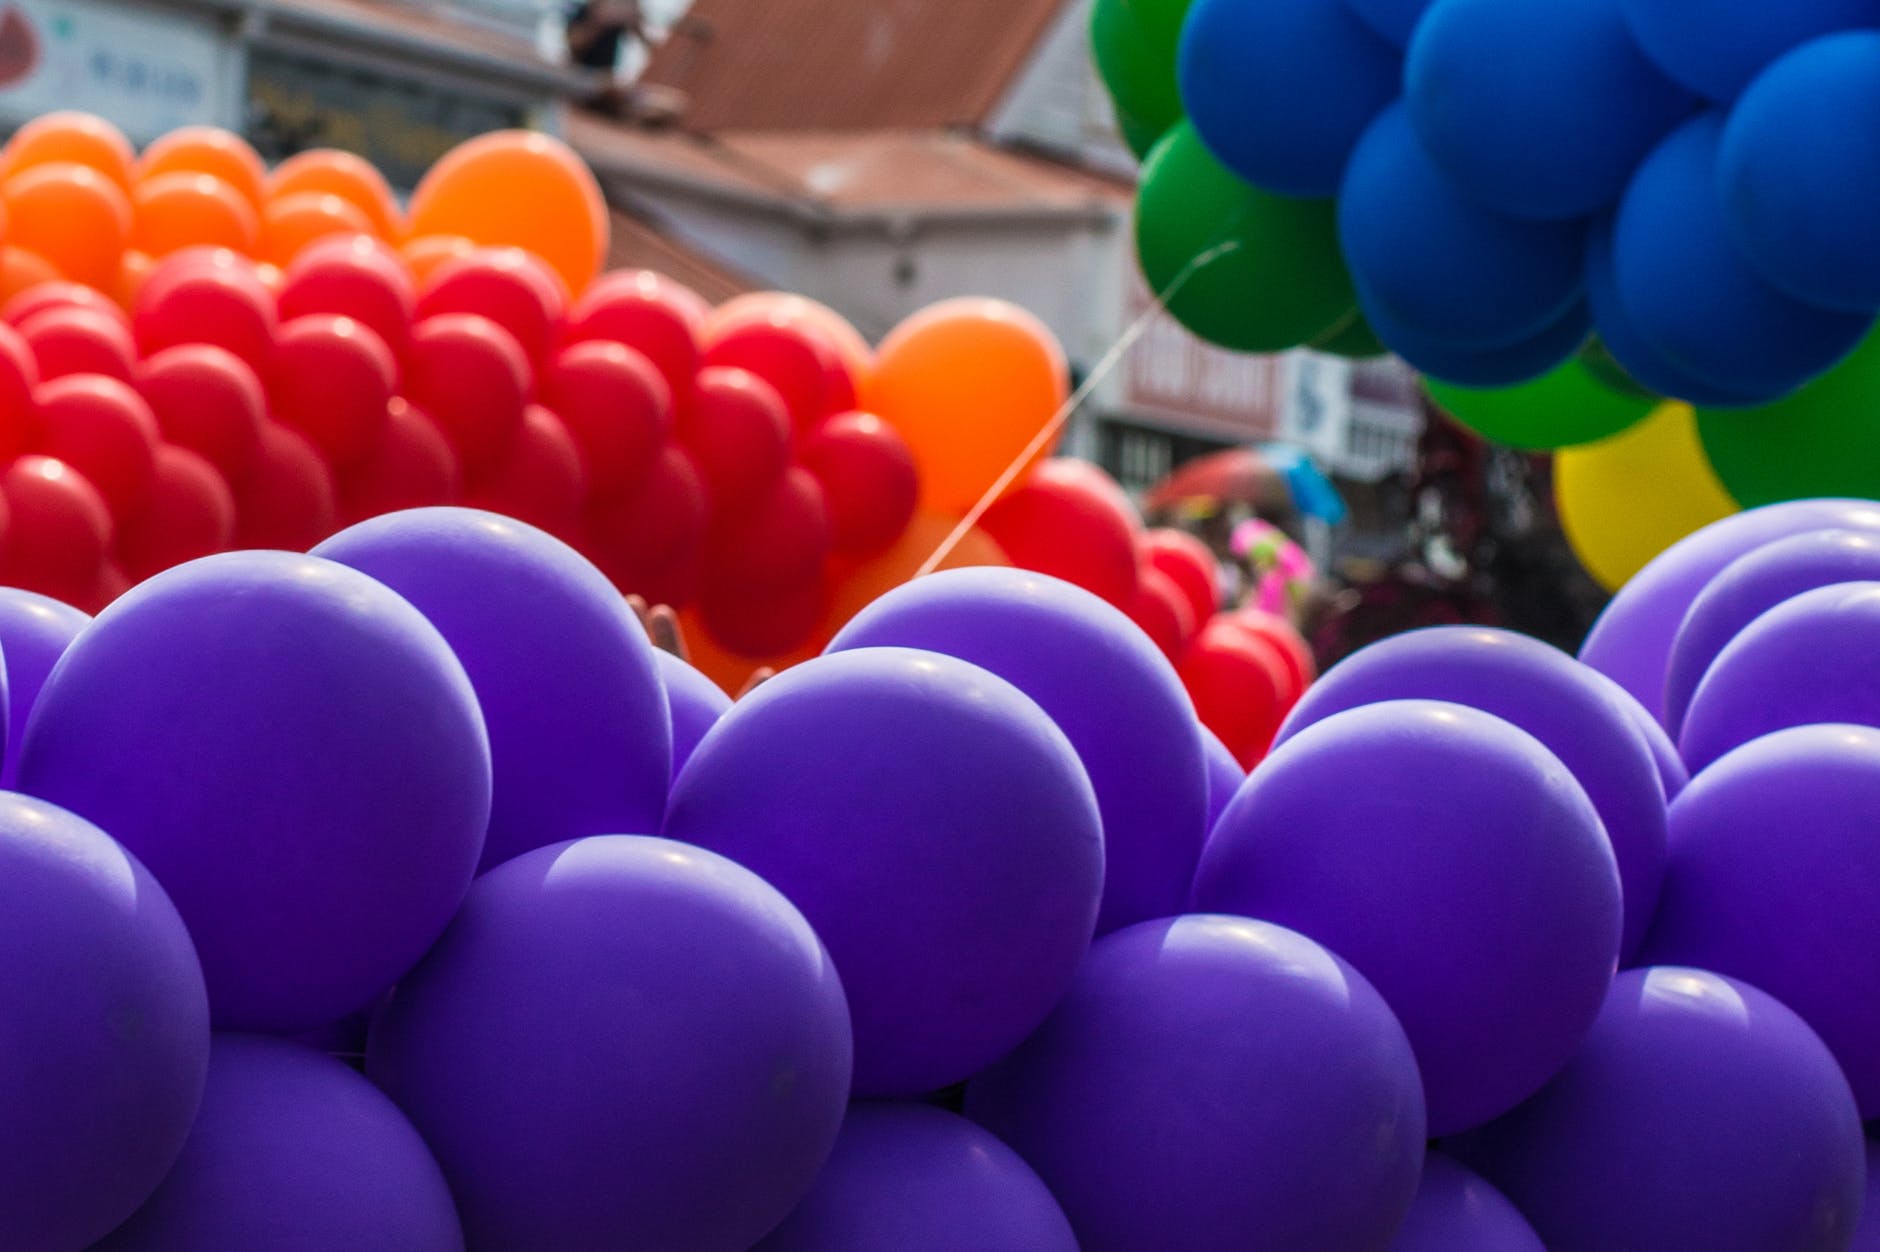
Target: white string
x=1105, y=364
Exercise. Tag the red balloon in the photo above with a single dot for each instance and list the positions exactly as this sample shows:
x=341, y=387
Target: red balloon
x=1237, y=681
x=207, y=400
x=61, y=295
x=190, y=513
x=651, y=314
x=288, y=499
x=767, y=624
x=615, y=405
x=331, y=380
x=736, y=428
x=469, y=375
x=1301, y=666
x=1188, y=561
x=1071, y=520
x=790, y=358
x=412, y=467
x=777, y=544
x=19, y=379
x=104, y=430
x=58, y=530
x=867, y=472
x=217, y=297
x=1162, y=611
x=76, y=340
x=541, y=480
x=513, y=288
x=353, y=276
x=111, y=583
x=659, y=522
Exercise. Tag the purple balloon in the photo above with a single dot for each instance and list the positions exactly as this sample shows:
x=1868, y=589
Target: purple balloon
x=1546, y=693
x=1214, y=1082
x=1749, y=587
x=35, y=631
x=621, y=1042
x=1456, y=863
x=1458, y=1211
x=296, y=755
x=1631, y=641
x=695, y=703
x=1701, y=1113
x=936, y=829
x=1104, y=683
x=1867, y=1234
x=292, y=1149
x=1775, y=879
x=913, y=1178
x=105, y=1026
x=1813, y=658
x=564, y=672
x=1672, y=775
x=1224, y=775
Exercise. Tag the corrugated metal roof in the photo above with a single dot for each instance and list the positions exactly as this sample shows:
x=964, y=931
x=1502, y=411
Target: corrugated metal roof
x=834, y=176
x=846, y=65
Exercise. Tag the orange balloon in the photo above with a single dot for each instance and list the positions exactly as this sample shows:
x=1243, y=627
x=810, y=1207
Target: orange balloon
x=788, y=309
x=208, y=150
x=860, y=584
x=426, y=254
x=132, y=273
x=969, y=383
x=77, y=138
x=73, y=216
x=189, y=210
x=21, y=270
x=289, y=224
x=351, y=178
x=520, y=189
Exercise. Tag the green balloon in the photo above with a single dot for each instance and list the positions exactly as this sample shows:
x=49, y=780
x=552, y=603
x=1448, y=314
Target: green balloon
x=1607, y=372
x=1355, y=340
x=1133, y=43
x=1140, y=136
x=1823, y=440
x=1282, y=284
x=1563, y=407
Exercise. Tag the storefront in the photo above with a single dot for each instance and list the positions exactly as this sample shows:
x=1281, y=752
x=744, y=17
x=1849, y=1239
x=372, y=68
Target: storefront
x=149, y=68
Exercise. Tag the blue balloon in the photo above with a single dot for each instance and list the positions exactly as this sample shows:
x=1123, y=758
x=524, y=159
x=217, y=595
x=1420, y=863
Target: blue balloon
x=1691, y=293
x=1280, y=90
x=1396, y=20
x=1502, y=366
x=34, y=633
x=1536, y=108
x=564, y=673
x=1800, y=170
x=1648, y=366
x=1715, y=47
x=1431, y=261
x=695, y=703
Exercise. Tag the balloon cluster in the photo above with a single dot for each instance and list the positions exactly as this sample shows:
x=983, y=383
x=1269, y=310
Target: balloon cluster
x=1482, y=186
x=1244, y=668
x=202, y=353
x=959, y=935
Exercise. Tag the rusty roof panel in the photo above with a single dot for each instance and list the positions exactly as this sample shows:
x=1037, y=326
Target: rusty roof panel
x=846, y=65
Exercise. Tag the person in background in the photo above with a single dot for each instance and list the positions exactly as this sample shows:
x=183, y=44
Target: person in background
x=598, y=28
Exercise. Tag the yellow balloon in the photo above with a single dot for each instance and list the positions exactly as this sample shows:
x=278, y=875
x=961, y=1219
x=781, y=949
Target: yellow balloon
x=1624, y=500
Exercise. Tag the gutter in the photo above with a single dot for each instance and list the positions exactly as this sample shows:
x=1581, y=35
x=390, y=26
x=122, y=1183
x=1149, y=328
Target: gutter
x=260, y=21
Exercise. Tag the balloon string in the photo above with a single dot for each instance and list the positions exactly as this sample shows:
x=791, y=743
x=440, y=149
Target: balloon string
x=1108, y=362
